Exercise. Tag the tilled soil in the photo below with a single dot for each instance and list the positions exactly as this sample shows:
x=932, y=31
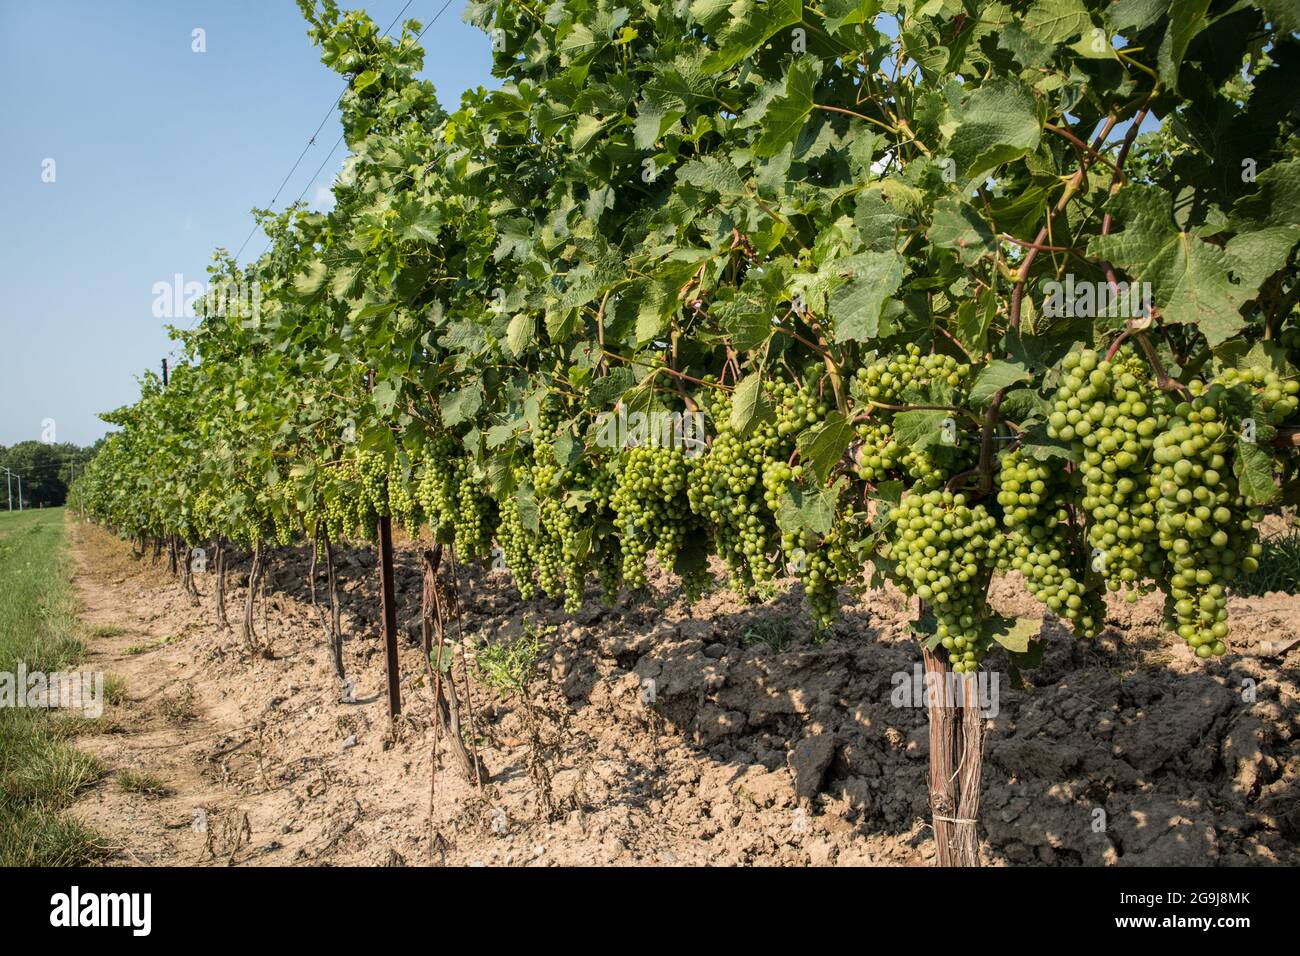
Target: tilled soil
x=714, y=734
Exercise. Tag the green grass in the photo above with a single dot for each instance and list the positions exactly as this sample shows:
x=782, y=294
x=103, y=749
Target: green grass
x=40, y=774
x=115, y=690
x=773, y=634
x=149, y=784
x=1279, y=566
x=106, y=630
x=135, y=649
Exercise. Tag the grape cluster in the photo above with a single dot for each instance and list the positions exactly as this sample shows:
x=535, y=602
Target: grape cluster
x=879, y=454
x=441, y=474
x=372, y=471
x=456, y=507
x=544, y=477
x=475, y=519
x=1043, y=542
x=1113, y=414
x=1289, y=338
x=1205, y=526
x=737, y=486
x=403, y=504
x=650, y=502
x=347, y=506
x=606, y=544
x=822, y=567
x=516, y=543
x=944, y=551
x=900, y=380
x=1275, y=396
x=1160, y=491
x=886, y=380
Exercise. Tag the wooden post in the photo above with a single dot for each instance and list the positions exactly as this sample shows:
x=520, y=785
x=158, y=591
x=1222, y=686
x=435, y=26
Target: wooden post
x=388, y=615
x=943, y=745
x=956, y=761
x=969, y=774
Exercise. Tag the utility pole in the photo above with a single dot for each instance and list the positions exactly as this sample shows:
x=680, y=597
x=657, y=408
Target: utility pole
x=20, y=492
x=9, y=483
x=164, y=373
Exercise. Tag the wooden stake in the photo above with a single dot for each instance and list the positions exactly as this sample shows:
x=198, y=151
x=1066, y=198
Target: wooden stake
x=970, y=770
x=943, y=746
x=388, y=615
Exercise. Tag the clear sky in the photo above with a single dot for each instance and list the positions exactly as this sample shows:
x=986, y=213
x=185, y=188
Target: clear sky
x=159, y=154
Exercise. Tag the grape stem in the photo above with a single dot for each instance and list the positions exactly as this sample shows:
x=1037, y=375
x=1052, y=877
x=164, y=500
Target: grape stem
x=1119, y=340
x=1071, y=188
x=1025, y=244
x=689, y=402
x=951, y=338
x=670, y=371
x=1092, y=151
x=833, y=371
x=1162, y=377
x=826, y=356
x=985, y=466
x=601, y=365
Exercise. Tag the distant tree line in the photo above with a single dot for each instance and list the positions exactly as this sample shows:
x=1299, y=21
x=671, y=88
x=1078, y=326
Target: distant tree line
x=46, y=469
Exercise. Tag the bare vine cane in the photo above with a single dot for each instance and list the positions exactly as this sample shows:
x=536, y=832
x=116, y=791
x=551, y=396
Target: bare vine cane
x=479, y=771
x=434, y=632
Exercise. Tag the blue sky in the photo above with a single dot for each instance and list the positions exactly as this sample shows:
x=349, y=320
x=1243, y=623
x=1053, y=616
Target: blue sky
x=159, y=153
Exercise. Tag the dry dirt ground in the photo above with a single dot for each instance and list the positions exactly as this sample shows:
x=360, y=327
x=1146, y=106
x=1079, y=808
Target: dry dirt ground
x=760, y=746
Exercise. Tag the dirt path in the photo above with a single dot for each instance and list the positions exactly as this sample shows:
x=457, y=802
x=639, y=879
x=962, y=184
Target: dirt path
x=759, y=746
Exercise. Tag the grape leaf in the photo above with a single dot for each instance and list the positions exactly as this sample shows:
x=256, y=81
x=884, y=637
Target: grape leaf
x=919, y=429
x=1013, y=633
x=998, y=124
x=822, y=447
x=749, y=405
x=519, y=334
x=751, y=25
x=856, y=305
x=994, y=377
x=1186, y=19
x=787, y=112
x=605, y=390
x=808, y=509
x=713, y=174
x=461, y=405
x=1253, y=466
x=1188, y=276
x=1055, y=21
x=957, y=226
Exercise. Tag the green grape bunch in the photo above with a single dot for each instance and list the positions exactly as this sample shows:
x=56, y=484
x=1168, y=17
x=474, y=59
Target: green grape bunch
x=944, y=550
x=1112, y=413
x=1043, y=539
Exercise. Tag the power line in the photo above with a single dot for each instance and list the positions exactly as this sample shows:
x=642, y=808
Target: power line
x=312, y=141
x=337, y=142
x=319, y=169
x=433, y=21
